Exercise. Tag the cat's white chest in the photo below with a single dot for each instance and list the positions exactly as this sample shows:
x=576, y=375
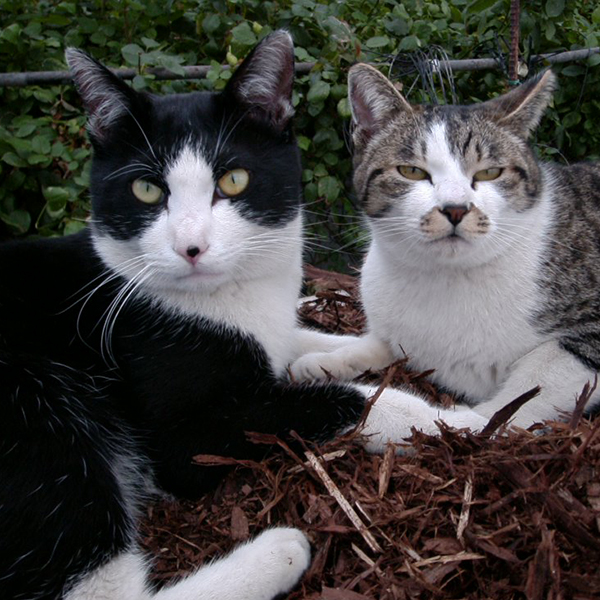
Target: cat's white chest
x=468, y=325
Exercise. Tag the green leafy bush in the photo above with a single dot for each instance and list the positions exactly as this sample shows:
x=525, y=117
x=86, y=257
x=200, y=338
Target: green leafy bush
x=44, y=156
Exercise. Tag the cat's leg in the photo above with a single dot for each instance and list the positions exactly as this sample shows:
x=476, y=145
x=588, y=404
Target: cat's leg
x=266, y=567
x=309, y=340
x=263, y=569
x=560, y=375
x=350, y=359
x=396, y=413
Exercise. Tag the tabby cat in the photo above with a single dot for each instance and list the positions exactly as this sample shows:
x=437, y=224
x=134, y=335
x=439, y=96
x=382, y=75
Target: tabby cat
x=484, y=262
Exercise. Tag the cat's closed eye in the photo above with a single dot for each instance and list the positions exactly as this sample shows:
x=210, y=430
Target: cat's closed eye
x=146, y=192
x=413, y=173
x=487, y=174
x=233, y=183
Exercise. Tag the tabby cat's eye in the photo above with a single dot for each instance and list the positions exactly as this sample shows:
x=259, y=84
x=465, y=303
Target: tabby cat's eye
x=487, y=174
x=413, y=173
x=234, y=182
x=146, y=192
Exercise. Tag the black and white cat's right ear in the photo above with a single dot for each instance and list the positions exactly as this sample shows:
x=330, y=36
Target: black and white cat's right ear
x=262, y=84
x=106, y=97
x=373, y=99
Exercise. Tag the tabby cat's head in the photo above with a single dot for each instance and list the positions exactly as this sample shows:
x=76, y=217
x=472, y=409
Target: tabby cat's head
x=456, y=183
x=190, y=191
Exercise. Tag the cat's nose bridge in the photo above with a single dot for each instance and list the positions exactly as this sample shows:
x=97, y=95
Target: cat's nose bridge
x=451, y=192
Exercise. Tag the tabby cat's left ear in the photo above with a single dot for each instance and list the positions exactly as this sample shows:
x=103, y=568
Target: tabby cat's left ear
x=521, y=109
x=373, y=101
x=262, y=84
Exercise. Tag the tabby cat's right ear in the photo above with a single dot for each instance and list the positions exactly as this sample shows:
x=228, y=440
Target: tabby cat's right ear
x=373, y=100
x=106, y=97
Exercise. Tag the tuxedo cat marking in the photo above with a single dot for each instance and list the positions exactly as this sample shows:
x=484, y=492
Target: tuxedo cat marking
x=484, y=261
x=160, y=332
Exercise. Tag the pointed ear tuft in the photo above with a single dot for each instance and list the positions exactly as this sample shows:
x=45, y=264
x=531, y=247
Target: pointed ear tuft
x=373, y=99
x=106, y=98
x=262, y=84
x=521, y=109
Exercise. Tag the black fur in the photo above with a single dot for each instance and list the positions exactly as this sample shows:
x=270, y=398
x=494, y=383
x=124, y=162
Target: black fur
x=79, y=435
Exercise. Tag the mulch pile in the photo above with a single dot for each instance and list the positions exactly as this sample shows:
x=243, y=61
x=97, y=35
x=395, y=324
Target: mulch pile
x=459, y=515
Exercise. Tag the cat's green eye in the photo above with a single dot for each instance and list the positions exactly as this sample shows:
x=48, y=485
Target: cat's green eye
x=234, y=182
x=487, y=174
x=413, y=173
x=146, y=192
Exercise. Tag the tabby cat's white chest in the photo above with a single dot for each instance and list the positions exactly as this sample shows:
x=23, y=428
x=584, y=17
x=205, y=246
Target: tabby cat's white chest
x=469, y=325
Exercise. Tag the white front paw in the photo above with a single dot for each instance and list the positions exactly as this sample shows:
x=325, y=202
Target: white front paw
x=280, y=556
x=320, y=365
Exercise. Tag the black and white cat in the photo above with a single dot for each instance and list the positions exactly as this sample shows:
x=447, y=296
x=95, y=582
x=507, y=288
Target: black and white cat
x=161, y=332
x=483, y=263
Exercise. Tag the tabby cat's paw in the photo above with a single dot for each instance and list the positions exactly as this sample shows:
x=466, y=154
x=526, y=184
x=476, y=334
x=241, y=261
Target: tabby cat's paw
x=320, y=365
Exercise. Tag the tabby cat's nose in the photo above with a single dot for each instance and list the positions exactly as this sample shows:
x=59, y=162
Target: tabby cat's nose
x=454, y=212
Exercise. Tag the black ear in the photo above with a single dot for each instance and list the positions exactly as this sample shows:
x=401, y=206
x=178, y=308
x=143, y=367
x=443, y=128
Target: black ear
x=373, y=100
x=106, y=97
x=521, y=109
x=262, y=84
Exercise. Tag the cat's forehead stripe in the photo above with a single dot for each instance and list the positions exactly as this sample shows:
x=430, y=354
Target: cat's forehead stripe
x=189, y=166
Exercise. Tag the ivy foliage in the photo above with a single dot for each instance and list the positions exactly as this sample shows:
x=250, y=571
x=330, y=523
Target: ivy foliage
x=45, y=157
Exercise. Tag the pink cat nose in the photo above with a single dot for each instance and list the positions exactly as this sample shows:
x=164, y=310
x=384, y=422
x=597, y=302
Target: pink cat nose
x=455, y=212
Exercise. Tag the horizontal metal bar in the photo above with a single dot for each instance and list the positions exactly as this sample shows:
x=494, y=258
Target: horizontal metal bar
x=200, y=71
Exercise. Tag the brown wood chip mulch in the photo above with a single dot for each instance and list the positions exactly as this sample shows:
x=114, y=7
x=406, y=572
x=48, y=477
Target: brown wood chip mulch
x=456, y=516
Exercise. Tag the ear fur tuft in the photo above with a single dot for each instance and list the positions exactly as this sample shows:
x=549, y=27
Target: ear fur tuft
x=521, y=109
x=106, y=98
x=263, y=82
x=373, y=98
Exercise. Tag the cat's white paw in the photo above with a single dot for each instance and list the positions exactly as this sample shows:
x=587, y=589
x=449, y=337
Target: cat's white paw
x=280, y=556
x=396, y=412
x=320, y=365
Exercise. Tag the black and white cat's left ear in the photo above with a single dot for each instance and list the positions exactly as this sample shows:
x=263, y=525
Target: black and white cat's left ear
x=262, y=84
x=521, y=109
x=106, y=97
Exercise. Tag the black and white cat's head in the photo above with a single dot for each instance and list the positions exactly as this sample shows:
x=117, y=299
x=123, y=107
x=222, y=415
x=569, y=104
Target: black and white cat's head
x=459, y=184
x=192, y=191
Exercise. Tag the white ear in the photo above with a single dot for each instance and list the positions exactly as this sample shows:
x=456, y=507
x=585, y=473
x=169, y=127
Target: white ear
x=262, y=84
x=372, y=99
x=105, y=97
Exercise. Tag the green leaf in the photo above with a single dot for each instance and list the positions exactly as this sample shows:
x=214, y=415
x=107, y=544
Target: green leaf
x=303, y=142
x=131, y=53
x=318, y=91
x=72, y=227
x=378, y=41
x=555, y=8
x=329, y=187
x=343, y=108
x=56, y=197
x=211, y=23
x=12, y=159
x=244, y=35
x=596, y=16
x=172, y=63
x=11, y=33
x=480, y=5
x=594, y=60
x=19, y=220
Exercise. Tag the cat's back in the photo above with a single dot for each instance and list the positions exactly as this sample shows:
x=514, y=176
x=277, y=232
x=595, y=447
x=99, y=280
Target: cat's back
x=571, y=274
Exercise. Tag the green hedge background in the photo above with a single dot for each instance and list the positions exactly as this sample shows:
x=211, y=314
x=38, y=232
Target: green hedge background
x=44, y=154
